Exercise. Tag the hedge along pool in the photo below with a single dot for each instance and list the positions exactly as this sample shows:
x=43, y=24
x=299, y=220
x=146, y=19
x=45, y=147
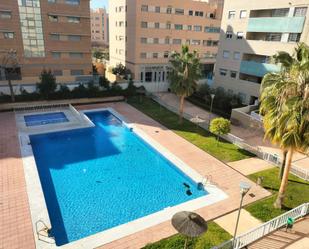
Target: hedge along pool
x=97, y=178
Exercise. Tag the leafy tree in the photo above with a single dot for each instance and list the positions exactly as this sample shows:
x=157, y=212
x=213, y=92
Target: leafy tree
x=9, y=63
x=186, y=71
x=47, y=84
x=220, y=126
x=285, y=105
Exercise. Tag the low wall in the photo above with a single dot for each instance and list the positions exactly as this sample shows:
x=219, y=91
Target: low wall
x=241, y=116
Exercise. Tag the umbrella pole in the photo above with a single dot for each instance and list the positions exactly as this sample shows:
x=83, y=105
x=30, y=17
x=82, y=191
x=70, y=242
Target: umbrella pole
x=186, y=241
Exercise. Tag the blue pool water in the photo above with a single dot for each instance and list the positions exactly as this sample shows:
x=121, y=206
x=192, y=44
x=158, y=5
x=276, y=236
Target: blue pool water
x=97, y=178
x=45, y=118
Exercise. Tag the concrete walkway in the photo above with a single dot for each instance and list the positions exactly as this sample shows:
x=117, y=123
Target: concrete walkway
x=250, y=165
x=251, y=136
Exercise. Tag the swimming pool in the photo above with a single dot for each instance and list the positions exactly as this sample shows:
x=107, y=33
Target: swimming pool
x=45, y=118
x=97, y=178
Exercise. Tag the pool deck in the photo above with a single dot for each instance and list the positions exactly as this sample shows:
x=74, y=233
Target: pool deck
x=15, y=222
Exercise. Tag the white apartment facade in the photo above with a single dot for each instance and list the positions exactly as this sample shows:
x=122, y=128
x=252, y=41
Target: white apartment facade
x=99, y=27
x=143, y=33
x=252, y=32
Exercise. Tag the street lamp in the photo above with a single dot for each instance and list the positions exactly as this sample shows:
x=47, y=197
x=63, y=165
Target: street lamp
x=244, y=188
x=212, y=100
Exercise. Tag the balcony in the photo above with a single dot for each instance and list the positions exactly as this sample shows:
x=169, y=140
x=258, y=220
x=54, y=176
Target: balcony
x=257, y=69
x=276, y=24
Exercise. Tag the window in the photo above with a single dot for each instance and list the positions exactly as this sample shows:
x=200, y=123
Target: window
x=53, y=18
x=190, y=12
x=229, y=35
x=156, y=40
x=199, y=13
x=207, y=43
x=280, y=12
x=143, y=40
x=169, y=10
x=226, y=54
x=222, y=72
x=72, y=2
x=273, y=37
x=148, y=76
x=143, y=55
x=157, y=9
x=144, y=24
x=240, y=35
x=189, y=27
x=176, y=41
x=5, y=15
x=243, y=14
x=179, y=12
x=76, y=55
x=56, y=55
x=77, y=72
x=197, y=28
x=165, y=55
x=212, y=29
x=215, y=43
x=178, y=26
x=188, y=42
x=231, y=14
x=145, y=8
x=294, y=37
x=74, y=37
x=196, y=42
x=8, y=35
x=233, y=74
x=57, y=73
x=155, y=55
x=168, y=25
x=157, y=25
x=55, y=37
x=300, y=11
x=52, y=1
x=167, y=40
x=73, y=19
x=236, y=56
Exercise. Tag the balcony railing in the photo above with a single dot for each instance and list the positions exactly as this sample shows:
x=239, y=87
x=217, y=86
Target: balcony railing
x=276, y=24
x=257, y=69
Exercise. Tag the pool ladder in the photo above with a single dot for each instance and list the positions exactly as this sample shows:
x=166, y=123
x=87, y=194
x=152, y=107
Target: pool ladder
x=43, y=232
x=207, y=181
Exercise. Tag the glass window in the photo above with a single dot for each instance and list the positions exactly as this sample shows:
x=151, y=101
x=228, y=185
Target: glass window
x=178, y=26
x=240, y=35
x=155, y=55
x=52, y=1
x=179, y=11
x=72, y=2
x=197, y=28
x=143, y=40
x=76, y=55
x=77, y=72
x=222, y=71
x=157, y=9
x=190, y=12
x=243, y=14
x=168, y=26
x=144, y=24
x=169, y=10
x=231, y=14
x=157, y=25
x=196, y=42
x=156, y=40
x=143, y=55
x=74, y=37
x=57, y=72
x=73, y=19
x=233, y=74
x=8, y=35
x=56, y=55
x=215, y=43
x=229, y=35
x=167, y=40
x=294, y=37
x=53, y=18
x=166, y=53
x=55, y=37
x=300, y=11
x=5, y=15
x=176, y=41
x=226, y=54
x=273, y=37
x=145, y=8
x=236, y=56
x=280, y=12
x=148, y=76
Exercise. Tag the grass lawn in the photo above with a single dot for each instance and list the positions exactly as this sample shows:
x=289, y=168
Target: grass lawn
x=203, y=139
x=297, y=193
x=214, y=236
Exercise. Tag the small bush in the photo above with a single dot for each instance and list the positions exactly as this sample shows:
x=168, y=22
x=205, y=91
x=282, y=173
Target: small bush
x=220, y=126
x=47, y=84
x=103, y=82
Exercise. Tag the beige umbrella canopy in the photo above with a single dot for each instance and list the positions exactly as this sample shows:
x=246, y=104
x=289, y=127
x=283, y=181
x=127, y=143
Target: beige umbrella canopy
x=189, y=224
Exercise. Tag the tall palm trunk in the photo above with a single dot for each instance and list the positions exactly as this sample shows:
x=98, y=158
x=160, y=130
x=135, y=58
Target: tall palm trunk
x=281, y=194
x=11, y=87
x=285, y=152
x=181, y=107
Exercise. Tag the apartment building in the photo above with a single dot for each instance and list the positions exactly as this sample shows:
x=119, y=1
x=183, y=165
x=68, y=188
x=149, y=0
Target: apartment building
x=251, y=33
x=50, y=34
x=99, y=27
x=143, y=33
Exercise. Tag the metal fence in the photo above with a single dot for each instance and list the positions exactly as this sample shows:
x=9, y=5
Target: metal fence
x=271, y=158
x=258, y=232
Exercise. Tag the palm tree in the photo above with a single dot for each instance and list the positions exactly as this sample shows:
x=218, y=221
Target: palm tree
x=9, y=63
x=285, y=104
x=186, y=71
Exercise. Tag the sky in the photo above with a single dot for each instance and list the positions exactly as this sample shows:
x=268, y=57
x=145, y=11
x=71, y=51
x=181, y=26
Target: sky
x=98, y=4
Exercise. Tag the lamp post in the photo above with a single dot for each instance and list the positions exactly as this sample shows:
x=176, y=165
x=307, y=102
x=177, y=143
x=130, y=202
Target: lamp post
x=244, y=188
x=212, y=100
